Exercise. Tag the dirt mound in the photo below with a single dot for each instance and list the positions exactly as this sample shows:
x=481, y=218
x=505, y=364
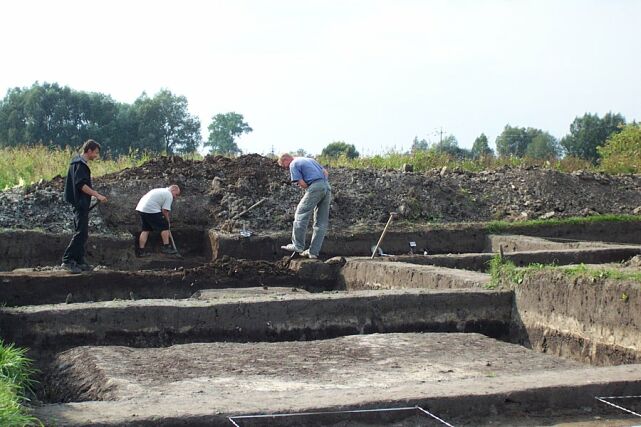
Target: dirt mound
x=254, y=168
x=40, y=206
x=239, y=269
x=217, y=189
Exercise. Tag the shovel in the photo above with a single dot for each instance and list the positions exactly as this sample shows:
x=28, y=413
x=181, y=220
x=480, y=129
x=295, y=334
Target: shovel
x=94, y=205
x=292, y=256
x=392, y=215
x=173, y=244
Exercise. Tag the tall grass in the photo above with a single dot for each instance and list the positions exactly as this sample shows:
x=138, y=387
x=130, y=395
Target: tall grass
x=26, y=165
x=15, y=383
x=426, y=160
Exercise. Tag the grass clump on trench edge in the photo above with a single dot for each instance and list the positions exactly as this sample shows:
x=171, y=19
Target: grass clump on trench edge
x=504, y=272
x=506, y=226
x=582, y=270
x=15, y=384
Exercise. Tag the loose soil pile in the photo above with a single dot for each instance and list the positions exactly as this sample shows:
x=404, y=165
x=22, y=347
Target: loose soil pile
x=218, y=188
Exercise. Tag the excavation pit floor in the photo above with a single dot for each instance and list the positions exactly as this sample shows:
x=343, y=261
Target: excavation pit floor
x=450, y=373
x=356, y=363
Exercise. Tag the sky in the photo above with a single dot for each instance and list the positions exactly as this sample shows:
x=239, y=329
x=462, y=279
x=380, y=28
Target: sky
x=376, y=74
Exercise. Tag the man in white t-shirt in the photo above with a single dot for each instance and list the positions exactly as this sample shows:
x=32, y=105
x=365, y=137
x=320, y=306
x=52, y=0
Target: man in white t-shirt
x=154, y=208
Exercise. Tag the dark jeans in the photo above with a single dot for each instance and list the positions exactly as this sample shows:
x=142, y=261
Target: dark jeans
x=76, y=249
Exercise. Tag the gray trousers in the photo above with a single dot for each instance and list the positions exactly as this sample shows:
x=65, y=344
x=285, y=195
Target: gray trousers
x=317, y=199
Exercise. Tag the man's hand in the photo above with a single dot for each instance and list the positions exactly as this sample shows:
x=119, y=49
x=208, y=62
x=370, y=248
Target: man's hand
x=302, y=184
x=91, y=192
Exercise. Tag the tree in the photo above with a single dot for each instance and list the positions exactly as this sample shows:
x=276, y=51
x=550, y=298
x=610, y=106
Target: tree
x=589, y=132
x=339, y=148
x=481, y=147
x=164, y=123
x=223, y=130
x=543, y=147
x=419, y=145
x=513, y=141
x=449, y=146
x=299, y=153
x=58, y=116
x=622, y=151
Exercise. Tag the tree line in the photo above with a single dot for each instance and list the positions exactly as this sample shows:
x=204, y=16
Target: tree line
x=587, y=134
x=57, y=116
x=586, y=140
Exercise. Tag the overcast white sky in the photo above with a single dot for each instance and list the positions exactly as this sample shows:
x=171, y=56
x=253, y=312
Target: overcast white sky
x=371, y=73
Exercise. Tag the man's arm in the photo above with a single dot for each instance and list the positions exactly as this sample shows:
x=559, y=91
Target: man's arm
x=325, y=173
x=302, y=184
x=165, y=213
x=91, y=192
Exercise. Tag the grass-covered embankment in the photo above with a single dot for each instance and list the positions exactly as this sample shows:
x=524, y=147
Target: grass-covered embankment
x=15, y=384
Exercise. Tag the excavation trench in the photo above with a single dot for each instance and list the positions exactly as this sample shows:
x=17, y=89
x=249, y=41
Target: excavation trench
x=101, y=335
x=30, y=248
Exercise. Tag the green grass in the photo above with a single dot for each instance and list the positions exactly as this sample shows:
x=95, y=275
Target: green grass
x=505, y=226
x=27, y=165
x=15, y=384
x=425, y=160
x=601, y=273
x=503, y=272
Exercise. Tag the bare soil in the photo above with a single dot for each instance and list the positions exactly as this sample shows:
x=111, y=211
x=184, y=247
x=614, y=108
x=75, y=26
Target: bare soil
x=287, y=368
x=218, y=188
x=588, y=318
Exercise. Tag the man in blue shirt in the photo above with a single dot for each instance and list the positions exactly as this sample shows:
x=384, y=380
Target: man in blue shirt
x=312, y=177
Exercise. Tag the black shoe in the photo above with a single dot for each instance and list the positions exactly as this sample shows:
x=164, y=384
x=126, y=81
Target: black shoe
x=85, y=267
x=71, y=267
x=167, y=249
x=142, y=253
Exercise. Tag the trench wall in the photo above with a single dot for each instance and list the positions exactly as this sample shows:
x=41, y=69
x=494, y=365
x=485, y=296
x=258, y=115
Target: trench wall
x=460, y=238
x=37, y=288
x=592, y=320
x=480, y=261
x=363, y=273
x=30, y=248
x=153, y=323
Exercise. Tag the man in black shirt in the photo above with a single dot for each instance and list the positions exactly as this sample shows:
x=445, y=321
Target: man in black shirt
x=78, y=192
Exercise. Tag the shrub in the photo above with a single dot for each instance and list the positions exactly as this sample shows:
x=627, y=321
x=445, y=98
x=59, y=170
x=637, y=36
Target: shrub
x=622, y=151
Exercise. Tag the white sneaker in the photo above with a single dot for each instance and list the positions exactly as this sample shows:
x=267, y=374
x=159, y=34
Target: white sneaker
x=291, y=248
x=308, y=254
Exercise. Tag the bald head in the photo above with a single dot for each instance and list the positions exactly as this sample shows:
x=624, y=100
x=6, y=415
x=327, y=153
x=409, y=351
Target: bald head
x=175, y=190
x=284, y=160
